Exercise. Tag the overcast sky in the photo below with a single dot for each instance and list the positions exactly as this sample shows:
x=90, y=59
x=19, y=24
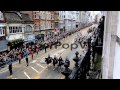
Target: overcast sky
x=95, y=12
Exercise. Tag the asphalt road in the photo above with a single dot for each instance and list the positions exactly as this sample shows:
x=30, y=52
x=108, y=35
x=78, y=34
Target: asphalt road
x=37, y=68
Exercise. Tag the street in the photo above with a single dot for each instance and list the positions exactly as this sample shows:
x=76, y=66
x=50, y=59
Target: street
x=37, y=68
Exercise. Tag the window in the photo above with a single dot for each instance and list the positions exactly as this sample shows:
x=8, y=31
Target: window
x=4, y=30
x=15, y=29
x=10, y=29
x=36, y=27
x=64, y=16
x=36, y=15
x=20, y=29
x=1, y=30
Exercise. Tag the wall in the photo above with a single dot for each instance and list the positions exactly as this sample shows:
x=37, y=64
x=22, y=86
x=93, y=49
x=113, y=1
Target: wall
x=111, y=49
x=116, y=73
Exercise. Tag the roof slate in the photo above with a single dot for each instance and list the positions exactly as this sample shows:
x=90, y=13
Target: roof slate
x=16, y=17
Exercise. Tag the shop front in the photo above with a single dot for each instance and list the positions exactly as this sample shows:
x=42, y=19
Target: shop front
x=29, y=39
x=14, y=44
x=12, y=37
x=3, y=45
x=40, y=37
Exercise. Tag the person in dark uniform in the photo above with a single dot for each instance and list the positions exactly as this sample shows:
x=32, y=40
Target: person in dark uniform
x=67, y=63
x=55, y=61
x=45, y=46
x=26, y=54
x=60, y=62
x=10, y=64
x=48, y=60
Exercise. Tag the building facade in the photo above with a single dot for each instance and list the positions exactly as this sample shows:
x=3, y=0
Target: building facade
x=43, y=23
x=84, y=17
x=61, y=21
x=3, y=41
x=111, y=46
x=77, y=19
x=14, y=26
x=28, y=26
x=19, y=28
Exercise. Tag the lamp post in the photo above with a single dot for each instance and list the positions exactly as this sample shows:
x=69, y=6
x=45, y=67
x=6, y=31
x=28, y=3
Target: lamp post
x=66, y=71
x=76, y=59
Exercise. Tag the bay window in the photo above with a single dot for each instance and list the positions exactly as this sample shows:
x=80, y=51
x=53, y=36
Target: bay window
x=15, y=29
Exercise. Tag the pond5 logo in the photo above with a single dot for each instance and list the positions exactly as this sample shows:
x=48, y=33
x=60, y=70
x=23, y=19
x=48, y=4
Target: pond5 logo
x=72, y=46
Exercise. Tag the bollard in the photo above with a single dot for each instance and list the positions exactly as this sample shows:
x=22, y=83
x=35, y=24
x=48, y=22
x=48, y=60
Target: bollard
x=76, y=59
x=67, y=71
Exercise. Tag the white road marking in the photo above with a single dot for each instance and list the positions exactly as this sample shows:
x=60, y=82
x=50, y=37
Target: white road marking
x=14, y=78
x=43, y=60
x=43, y=69
x=40, y=65
x=33, y=61
x=34, y=69
x=2, y=71
x=27, y=75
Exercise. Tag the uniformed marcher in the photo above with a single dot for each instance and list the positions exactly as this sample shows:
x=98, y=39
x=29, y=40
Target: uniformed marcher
x=48, y=60
x=60, y=62
x=55, y=61
x=67, y=63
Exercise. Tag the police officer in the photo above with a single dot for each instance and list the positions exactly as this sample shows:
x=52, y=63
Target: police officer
x=9, y=59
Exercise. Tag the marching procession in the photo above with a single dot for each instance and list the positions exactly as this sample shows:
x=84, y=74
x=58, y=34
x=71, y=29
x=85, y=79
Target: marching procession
x=8, y=58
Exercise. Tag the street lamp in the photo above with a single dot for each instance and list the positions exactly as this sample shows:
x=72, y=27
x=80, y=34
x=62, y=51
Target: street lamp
x=66, y=71
x=76, y=59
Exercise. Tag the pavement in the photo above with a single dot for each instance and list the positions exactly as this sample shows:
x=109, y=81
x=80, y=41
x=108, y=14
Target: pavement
x=37, y=68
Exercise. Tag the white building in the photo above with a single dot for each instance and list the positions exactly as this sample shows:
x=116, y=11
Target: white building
x=14, y=26
x=71, y=20
x=19, y=26
x=3, y=41
x=28, y=26
x=85, y=17
x=61, y=21
x=77, y=18
x=111, y=46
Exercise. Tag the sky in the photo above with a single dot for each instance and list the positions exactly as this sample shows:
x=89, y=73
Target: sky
x=93, y=13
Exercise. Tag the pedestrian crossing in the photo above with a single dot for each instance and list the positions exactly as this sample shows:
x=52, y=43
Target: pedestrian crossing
x=31, y=71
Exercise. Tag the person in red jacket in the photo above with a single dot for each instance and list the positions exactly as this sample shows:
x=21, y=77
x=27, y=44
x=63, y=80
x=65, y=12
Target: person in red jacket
x=32, y=54
x=37, y=50
x=19, y=58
